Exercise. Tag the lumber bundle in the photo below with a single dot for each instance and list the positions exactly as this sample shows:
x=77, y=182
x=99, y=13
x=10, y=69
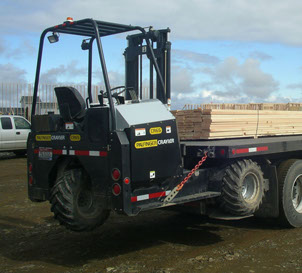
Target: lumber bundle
x=215, y=124
x=246, y=106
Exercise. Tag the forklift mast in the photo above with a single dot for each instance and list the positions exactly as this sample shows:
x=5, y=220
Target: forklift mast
x=155, y=45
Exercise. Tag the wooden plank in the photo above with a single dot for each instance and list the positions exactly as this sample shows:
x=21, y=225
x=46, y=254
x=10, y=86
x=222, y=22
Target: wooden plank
x=217, y=123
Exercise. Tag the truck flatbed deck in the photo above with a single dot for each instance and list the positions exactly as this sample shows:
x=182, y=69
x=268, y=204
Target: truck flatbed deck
x=234, y=148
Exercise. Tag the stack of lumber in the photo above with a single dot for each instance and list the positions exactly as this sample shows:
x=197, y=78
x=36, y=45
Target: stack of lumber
x=246, y=106
x=215, y=124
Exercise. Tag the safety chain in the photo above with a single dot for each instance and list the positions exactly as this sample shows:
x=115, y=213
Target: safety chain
x=175, y=191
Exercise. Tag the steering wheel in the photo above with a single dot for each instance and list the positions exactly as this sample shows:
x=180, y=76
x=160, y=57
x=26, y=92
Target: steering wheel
x=116, y=93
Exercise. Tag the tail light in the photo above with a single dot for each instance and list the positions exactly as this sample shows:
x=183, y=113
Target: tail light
x=116, y=174
x=126, y=180
x=30, y=180
x=116, y=189
x=30, y=177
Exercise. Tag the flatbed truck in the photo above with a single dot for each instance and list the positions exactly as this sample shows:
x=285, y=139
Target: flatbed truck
x=122, y=153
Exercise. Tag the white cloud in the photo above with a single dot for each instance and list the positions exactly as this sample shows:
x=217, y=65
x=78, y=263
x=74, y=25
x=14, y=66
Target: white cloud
x=11, y=73
x=260, y=56
x=295, y=86
x=227, y=82
x=262, y=21
x=182, y=79
x=238, y=80
x=60, y=73
x=198, y=58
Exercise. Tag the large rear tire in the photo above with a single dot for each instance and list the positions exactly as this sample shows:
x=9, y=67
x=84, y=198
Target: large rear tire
x=242, y=189
x=290, y=193
x=74, y=203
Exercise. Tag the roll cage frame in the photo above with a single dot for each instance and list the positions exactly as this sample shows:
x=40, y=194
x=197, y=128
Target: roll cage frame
x=94, y=30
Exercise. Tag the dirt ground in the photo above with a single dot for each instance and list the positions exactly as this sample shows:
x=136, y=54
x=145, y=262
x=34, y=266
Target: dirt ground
x=156, y=241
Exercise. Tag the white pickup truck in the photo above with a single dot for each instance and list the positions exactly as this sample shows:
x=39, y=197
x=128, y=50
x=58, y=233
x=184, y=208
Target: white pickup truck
x=14, y=132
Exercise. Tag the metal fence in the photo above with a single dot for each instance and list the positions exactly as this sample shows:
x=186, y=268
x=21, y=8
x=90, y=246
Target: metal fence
x=16, y=98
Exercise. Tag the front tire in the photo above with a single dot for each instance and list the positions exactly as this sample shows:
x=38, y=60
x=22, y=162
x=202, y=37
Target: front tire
x=20, y=152
x=242, y=188
x=74, y=203
x=290, y=193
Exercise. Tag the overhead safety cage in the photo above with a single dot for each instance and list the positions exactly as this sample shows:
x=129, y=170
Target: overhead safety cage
x=93, y=30
x=87, y=27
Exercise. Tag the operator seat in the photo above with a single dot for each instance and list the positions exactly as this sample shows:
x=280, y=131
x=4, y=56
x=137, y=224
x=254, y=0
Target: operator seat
x=71, y=103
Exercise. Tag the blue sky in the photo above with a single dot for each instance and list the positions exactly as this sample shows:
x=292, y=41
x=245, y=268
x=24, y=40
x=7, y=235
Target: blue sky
x=223, y=50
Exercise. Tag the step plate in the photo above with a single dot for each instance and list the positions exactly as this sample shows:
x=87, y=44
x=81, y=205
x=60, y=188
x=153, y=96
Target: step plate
x=180, y=200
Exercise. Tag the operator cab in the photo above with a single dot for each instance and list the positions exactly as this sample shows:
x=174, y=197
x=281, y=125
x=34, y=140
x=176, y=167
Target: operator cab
x=150, y=46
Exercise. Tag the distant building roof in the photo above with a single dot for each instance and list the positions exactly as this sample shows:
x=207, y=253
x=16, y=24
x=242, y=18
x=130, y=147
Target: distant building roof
x=28, y=99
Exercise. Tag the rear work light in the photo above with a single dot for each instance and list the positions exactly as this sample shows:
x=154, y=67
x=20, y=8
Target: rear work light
x=116, y=174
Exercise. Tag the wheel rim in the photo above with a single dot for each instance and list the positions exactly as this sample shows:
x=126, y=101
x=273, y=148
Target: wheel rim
x=85, y=200
x=249, y=186
x=297, y=194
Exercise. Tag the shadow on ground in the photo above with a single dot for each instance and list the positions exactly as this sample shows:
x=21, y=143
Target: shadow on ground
x=23, y=240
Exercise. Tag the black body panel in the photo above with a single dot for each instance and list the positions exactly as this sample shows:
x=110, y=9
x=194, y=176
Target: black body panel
x=238, y=148
x=156, y=154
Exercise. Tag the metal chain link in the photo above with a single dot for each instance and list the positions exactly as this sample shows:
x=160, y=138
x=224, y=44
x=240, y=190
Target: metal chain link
x=175, y=191
x=181, y=184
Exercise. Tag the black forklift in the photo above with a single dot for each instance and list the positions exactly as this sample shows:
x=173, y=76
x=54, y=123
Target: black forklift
x=123, y=153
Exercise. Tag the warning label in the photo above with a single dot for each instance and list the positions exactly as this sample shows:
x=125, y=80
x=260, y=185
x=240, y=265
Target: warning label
x=146, y=144
x=140, y=132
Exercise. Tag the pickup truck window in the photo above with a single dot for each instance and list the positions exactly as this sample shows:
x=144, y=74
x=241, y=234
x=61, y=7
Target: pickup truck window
x=6, y=124
x=21, y=123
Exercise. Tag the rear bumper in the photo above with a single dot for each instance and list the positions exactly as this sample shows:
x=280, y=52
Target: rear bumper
x=198, y=187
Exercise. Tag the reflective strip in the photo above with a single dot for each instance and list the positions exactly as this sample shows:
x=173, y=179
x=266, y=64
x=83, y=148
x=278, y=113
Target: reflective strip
x=81, y=152
x=249, y=150
x=261, y=149
x=149, y=196
x=76, y=152
x=143, y=197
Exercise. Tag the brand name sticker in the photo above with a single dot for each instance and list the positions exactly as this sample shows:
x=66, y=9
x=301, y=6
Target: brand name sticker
x=156, y=130
x=49, y=137
x=75, y=137
x=166, y=141
x=146, y=144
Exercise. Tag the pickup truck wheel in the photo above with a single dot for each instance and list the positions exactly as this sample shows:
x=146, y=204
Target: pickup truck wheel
x=74, y=203
x=242, y=188
x=20, y=153
x=290, y=193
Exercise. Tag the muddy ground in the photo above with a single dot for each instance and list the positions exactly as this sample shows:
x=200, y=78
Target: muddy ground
x=156, y=241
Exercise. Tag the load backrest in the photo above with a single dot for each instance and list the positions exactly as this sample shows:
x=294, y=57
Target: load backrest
x=71, y=103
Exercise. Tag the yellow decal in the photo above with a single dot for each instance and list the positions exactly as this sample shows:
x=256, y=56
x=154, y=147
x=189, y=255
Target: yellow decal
x=146, y=144
x=75, y=137
x=43, y=137
x=156, y=130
